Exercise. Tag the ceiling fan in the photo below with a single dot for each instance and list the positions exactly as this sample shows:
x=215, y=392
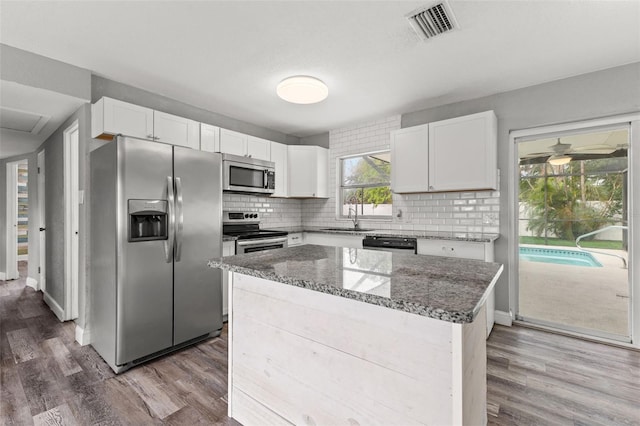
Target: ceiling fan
x=562, y=153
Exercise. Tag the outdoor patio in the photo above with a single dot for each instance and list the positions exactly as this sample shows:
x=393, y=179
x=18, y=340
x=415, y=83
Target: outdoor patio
x=595, y=298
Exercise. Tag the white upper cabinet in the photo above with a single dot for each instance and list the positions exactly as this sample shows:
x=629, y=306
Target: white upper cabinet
x=234, y=143
x=259, y=148
x=409, y=159
x=209, y=138
x=308, y=171
x=176, y=130
x=463, y=153
x=111, y=117
x=459, y=154
x=237, y=143
x=279, y=157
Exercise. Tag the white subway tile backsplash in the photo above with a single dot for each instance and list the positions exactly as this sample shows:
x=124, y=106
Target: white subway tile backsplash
x=275, y=212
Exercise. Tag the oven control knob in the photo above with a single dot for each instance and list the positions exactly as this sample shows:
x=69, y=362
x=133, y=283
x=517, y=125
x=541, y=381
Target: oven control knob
x=254, y=215
x=246, y=215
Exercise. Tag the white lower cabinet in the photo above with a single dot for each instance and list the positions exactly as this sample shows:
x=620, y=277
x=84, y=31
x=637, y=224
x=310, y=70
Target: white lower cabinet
x=228, y=249
x=295, y=239
x=334, y=240
x=464, y=250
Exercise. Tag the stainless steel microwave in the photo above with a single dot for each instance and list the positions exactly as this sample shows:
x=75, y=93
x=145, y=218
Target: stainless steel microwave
x=248, y=175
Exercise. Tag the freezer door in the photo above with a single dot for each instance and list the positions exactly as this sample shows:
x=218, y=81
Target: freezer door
x=197, y=288
x=145, y=285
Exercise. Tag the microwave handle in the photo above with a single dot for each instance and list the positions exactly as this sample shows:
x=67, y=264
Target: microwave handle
x=266, y=179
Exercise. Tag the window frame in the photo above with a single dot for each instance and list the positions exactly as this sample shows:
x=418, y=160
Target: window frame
x=340, y=187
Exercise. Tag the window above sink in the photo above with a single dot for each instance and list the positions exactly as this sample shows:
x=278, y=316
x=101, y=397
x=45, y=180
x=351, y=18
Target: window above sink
x=365, y=186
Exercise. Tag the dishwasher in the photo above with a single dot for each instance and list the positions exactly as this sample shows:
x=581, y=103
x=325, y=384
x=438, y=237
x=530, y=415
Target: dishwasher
x=395, y=244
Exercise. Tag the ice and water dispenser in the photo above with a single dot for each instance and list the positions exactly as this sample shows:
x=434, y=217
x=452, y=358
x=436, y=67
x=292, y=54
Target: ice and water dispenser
x=147, y=220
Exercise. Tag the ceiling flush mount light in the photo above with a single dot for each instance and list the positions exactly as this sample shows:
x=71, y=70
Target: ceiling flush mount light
x=302, y=89
x=559, y=160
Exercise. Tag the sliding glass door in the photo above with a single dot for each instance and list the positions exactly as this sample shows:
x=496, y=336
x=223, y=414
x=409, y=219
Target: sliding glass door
x=573, y=219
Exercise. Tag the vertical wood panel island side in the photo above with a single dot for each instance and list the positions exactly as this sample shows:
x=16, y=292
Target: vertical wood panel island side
x=324, y=335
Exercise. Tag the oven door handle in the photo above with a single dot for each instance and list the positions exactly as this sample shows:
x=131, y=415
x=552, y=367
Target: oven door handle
x=264, y=241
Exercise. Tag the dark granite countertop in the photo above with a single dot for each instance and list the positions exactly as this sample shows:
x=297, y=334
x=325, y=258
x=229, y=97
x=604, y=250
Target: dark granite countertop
x=429, y=235
x=444, y=288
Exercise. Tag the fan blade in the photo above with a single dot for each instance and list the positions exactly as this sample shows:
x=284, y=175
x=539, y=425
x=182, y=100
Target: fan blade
x=537, y=154
x=595, y=149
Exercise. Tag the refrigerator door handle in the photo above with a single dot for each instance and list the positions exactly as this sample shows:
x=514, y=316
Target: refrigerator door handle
x=168, y=244
x=179, y=219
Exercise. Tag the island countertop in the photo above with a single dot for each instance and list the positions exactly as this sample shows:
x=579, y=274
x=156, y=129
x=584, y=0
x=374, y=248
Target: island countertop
x=448, y=289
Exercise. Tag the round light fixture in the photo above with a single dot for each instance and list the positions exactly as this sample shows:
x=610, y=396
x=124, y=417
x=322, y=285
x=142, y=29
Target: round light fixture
x=559, y=160
x=302, y=89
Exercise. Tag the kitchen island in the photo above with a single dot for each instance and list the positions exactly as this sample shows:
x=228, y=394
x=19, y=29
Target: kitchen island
x=329, y=335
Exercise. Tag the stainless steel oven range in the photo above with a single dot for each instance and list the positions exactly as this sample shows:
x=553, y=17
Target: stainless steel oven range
x=245, y=226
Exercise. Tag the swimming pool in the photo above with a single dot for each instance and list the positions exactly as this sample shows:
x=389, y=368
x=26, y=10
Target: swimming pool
x=559, y=256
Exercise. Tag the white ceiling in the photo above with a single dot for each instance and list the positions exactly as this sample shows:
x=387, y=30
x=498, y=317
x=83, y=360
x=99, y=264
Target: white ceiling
x=54, y=107
x=228, y=57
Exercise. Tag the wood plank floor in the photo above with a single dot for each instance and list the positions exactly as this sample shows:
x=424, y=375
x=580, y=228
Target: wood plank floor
x=534, y=377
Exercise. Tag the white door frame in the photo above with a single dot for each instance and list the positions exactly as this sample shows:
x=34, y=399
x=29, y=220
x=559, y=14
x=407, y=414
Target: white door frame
x=633, y=120
x=71, y=138
x=42, y=224
x=11, y=240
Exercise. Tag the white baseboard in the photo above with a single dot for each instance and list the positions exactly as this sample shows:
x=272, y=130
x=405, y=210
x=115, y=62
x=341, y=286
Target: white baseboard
x=83, y=336
x=33, y=283
x=53, y=305
x=3, y=276
x=503, y=318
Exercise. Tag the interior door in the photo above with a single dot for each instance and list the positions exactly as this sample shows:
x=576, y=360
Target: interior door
x=42, y=224
x=197, y=288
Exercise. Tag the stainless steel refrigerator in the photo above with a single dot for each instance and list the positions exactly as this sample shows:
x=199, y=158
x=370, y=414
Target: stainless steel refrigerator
x=156, y=219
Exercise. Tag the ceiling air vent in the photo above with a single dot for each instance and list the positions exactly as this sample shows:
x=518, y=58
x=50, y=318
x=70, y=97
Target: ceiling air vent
x=433, y=20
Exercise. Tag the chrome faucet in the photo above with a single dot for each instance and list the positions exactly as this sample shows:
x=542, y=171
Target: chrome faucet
x=356, y=224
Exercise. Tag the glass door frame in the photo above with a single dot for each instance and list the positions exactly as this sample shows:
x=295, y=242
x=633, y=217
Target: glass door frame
x=630, y=121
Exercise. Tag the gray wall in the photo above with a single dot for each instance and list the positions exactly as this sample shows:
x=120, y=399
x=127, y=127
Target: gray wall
x=54, y=206
x=38, y=71
x=599, y=94
x=32, y=188
x=103, y=87
x=320, y=140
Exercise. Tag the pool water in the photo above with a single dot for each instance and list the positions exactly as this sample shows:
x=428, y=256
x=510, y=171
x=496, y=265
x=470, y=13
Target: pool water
x=559, y=256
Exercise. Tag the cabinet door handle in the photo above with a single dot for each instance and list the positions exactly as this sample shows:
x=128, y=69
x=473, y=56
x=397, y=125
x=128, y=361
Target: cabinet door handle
x=150, y=136
x=431, y=187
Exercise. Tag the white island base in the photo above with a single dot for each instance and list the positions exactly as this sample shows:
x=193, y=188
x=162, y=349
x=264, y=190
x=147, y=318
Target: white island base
x=304, y=357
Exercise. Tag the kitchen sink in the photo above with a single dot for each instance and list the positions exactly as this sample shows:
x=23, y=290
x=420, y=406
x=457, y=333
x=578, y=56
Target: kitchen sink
x=347, y=229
